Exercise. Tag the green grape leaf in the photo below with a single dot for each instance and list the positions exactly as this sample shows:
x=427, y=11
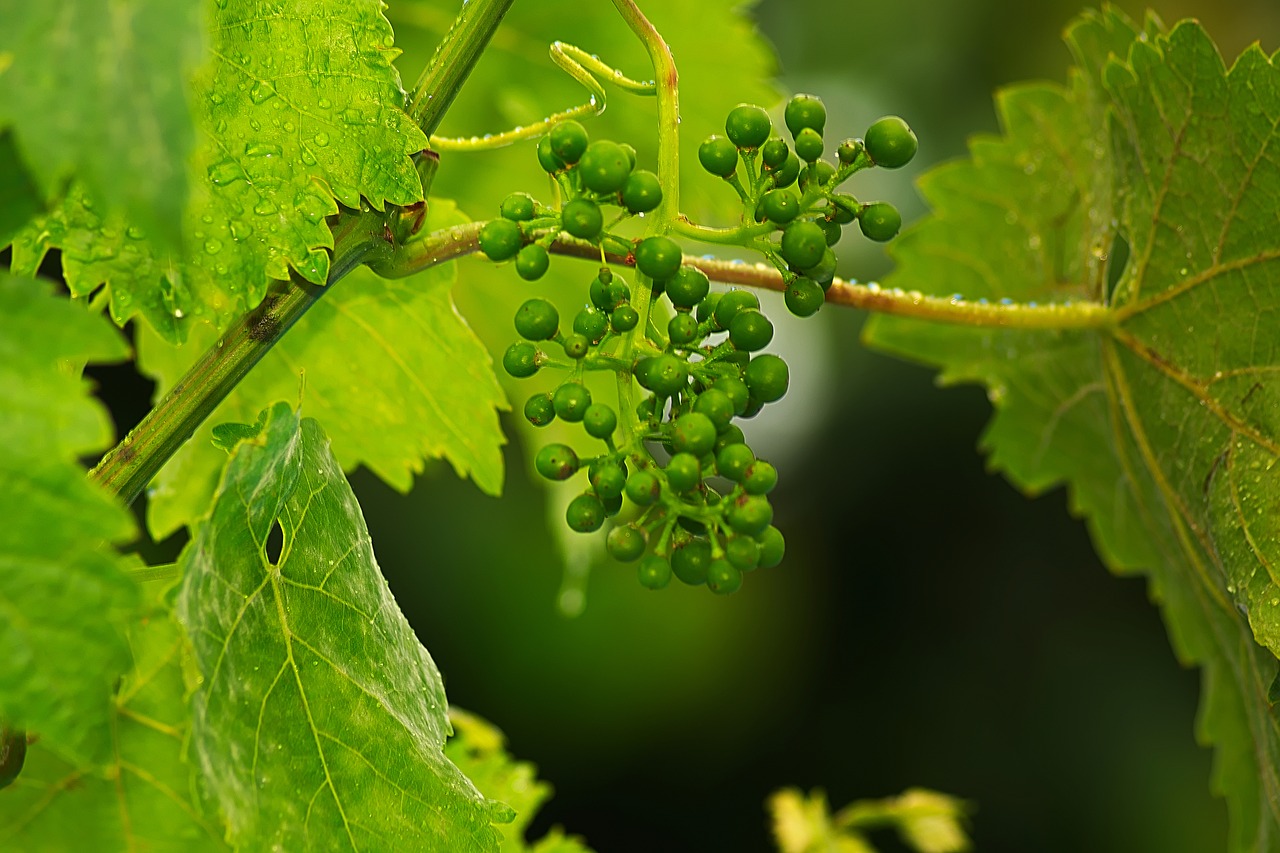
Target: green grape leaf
x=478, y=749
x=142, y=798
x=125, y=129
x=1148, y=183
x=302, y=106
x=19, y=197
x=391, y=368
x=64, y=594
x=319, y=720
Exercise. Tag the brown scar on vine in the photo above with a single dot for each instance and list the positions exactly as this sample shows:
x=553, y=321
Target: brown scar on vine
x=266, y=326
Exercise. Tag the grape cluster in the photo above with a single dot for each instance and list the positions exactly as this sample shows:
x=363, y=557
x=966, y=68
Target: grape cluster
x=689, y=495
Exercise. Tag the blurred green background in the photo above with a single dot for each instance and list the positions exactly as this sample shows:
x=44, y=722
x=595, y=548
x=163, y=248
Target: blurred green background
x=929, y=626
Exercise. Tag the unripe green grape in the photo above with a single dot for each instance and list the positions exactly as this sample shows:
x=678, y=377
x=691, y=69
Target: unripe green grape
x=749, y=514
x=731, y=435
x=690, y=562
x=585, y=514
x=774, y=153
x=599, y=420
x=880, y=221
x=582, y=218
x=517, y=207
x=809, y=145
x=850, y=150
x=717, y=406
x=500, y=239
x=732, y=461
x=780, y=206
x=576, y=346
x=630, y=151
x=753, y=408
x=571, y=401
x=625, y=544
x=688, y=287
x=608, y=478
x=759, y=478
x=723, y=578
x=824, y=271
x=604, y=166
x=736, y=390
x=684, y=472
x=658, y=257
x=624, y=318
x=844, y=209
x=682, y=329
x=805, y=111
x=821, y=172
x=665, y=375
x=645, y=408
x=591, y=323
x=599, y=291
x=537, y=320
x=547, y=158
x=772, y=547
x=803, y=244
x=718, y=155
x=643, y=488
x=520, y=360
x=641, y=192
x=568, y=140
x=693, y=433
x=531, y=261
x=538, y=410
x=616, y=293
x=832, y=231
x=612, y=506
x=654, y=572
x=748, y=126
x=556, y=462
x=707, y=307
x=890, y=142
x=750, y=330
x=767, y=378
x=804, y=297
x=742, y=552
x=788, y=172
x=731, y=303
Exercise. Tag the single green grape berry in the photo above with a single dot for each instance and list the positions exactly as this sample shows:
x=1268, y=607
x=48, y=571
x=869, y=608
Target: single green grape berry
x=539, y=410
x=585, y=514
x=520, y=360
x=688, y=287
x=804, y=297
x=830, y=229
x=780, y=206
x=880, y=221
x=805, y=112
x=500, y=239
x=817, y=175
x=767, y=377
x=599, y=420
x=654, y=572
x=582, y=218
x=731, y=435
x=844, y=209
x=753, y=408
x=612, y=507
x=824, y=271
x=707, y=307
x=682, y=330
x=556, y=462
x=690, y=562
x=646, y=408
x=532, y=261
x=736, y=390
x=718, y=155
x=571, y=401
x=591, y=323
x=732, y=461
x=849, y=150
x=658, y=257
x=748, y=126
x=576, y=346
x=750, y=330
x=537, y=320
x=774, y=153
x=630, y=151
x=749, y=514
x=742, y=552
x=608, y=478
x=616, y=293
x=641, y=191
x=723, y=578
x=693, y=433
x=731, y=303
x=547, y=158
x=809, y=145
x=604, y=166
x=599, y=292
x=517, y=207
x=624, y=318
x=568, y=140
x=643, y=488
x=759, y=478
x=890, y=142
x=803, y=244
x=788, y=172
x=717, y=406
x=684, y=472
x=772, y=547
x=625, y=544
